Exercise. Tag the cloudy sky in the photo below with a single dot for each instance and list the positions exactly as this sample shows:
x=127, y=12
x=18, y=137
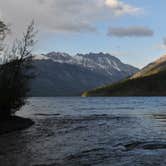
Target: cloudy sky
x=133, y=30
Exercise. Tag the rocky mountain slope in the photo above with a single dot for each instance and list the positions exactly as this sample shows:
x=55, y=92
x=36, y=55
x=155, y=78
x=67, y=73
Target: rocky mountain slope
x=153, y=68
x=150, y=81
x=59, y=74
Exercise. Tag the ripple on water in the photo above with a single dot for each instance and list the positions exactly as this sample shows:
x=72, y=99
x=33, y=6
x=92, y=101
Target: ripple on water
x=89, y=132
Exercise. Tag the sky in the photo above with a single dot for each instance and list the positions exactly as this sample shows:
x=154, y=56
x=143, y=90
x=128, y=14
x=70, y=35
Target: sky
x=132, y=30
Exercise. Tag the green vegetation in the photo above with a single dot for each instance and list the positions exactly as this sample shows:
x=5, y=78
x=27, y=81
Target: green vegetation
x=150, y=81
x=152, y=85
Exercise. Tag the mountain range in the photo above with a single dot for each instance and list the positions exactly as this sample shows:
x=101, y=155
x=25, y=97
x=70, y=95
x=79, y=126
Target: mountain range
x=150, y=81
x=60, y=74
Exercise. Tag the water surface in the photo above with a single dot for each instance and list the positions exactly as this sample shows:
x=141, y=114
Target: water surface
x=75, y=131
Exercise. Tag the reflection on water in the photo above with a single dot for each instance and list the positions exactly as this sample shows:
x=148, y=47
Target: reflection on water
x=89, y=132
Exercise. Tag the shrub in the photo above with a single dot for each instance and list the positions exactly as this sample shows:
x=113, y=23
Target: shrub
x=15, y=73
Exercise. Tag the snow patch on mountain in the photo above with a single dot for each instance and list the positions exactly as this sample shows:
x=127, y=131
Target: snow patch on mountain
x=99, y=62
x=40, y=57
x=65, y=75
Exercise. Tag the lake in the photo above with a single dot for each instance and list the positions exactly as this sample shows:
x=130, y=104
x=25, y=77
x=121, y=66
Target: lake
x=75, y=131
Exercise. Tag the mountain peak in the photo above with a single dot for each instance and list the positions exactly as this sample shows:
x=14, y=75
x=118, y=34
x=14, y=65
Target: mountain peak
x=57, y=54
x=40, y=57
x=92, y=54
x=60, y=57
x=62, y=74
x=103, y=62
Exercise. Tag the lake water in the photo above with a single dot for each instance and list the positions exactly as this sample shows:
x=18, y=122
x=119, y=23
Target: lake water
x=75, y=131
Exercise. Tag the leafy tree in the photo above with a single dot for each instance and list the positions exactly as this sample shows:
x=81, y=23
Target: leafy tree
x=16, y=72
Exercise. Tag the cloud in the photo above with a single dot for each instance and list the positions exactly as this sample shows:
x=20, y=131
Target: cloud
x=134, y=31
x=121, y=8
x=63, y=15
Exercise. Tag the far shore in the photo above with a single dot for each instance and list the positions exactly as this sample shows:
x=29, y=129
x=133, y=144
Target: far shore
x=14, y=123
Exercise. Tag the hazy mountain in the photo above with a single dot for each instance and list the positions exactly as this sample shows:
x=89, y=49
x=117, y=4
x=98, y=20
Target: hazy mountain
x=150, y=81
x=62, y=74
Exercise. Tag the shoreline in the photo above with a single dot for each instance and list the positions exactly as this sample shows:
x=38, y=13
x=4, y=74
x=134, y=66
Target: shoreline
x=14, y=123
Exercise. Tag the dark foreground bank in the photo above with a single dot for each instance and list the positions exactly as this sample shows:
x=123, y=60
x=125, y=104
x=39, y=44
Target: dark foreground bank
x=14, y=123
